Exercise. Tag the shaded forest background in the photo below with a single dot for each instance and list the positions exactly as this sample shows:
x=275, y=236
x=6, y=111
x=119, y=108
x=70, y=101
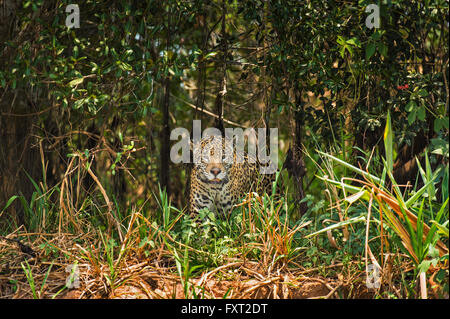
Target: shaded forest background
x=105, y=96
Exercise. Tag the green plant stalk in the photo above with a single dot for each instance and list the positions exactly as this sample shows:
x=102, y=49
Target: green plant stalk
x=388, y=137
x=30, y=278
x=350, y=221
x=45, y=279
x=109, y=250
x=353, y=168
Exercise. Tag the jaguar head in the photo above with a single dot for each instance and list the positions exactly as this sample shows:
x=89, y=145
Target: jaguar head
x=213, y=159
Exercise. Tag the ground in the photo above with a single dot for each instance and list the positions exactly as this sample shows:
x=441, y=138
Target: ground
x=151, y=277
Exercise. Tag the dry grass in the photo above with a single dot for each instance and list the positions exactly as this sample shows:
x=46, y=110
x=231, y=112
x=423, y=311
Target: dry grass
x=142, y=256
x=154, y=276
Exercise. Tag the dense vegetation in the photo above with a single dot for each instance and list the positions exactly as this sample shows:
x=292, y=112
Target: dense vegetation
x=86, y=177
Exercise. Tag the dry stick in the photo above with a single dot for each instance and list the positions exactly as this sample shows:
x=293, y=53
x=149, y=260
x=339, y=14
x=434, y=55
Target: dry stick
x=69, y=195
x=341, y=218
x=108, y=202
x=205, y=276
x=147, y=291
x=329, y=234
x=332, y=291
x=423, y=285
x=223, y=84
x=127, y=237
x=366, y=245
x=322, y=282
x=44, y=186
x=275, y=291
x=381, y=231
x=268, y=281
x=61, y=200
x=257, y=274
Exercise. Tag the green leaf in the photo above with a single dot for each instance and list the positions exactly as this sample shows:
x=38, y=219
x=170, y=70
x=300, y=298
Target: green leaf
x=9, y=202
x=411, y=106
x=433, y=252
x=412, y=117
x=354, y=41
x=440, y=123
x=210, y=54
x=419, y=193
x=442, y=229
x=76, y=81
x=342, y=51
x=445, y=183
x=422, y=93
x=125, y=66
x=383, y=49
x=388, y=138
x=429, y=175
x=421, y=113
x=353, y=198
x=424, y=265
x=143, y=242
x=346, y=187
x=370, y=50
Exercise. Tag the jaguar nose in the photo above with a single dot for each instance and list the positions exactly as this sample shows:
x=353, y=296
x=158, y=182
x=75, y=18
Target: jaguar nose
x=215, y=171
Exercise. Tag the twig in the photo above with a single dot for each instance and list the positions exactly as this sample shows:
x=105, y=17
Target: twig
x=108, y=202
x=205, y=276
x=208, y=112
x=259, y=285
x=29, y=114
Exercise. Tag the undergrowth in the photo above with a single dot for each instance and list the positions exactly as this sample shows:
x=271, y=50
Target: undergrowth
x=363, y=227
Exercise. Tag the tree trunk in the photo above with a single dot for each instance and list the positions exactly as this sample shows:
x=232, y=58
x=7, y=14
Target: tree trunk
x=165, y=134
x=294, y=160
x=17, y=156
x=223, y=83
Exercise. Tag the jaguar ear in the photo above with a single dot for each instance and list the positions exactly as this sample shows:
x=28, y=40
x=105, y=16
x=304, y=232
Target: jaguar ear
x=195, y=150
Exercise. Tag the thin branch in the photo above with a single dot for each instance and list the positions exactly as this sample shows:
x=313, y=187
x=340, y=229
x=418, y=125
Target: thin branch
x=209, y=113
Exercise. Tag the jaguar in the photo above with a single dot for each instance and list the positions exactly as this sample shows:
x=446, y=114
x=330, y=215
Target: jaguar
x=219, y=178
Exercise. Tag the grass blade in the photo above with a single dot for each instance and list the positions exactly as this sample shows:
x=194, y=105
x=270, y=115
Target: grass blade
x=351, y=167
x=388, y=143
x=338, y=225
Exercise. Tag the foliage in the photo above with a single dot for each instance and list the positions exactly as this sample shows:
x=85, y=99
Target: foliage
x=84, y=149
x=411, y=219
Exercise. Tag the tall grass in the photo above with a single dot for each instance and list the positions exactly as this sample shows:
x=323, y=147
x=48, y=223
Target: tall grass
x=262, y=238
x=409, y=215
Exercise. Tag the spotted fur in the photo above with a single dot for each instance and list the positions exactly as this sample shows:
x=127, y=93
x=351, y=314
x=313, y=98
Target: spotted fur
x=218, y=184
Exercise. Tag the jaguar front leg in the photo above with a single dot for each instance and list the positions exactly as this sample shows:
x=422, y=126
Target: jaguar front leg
x=198, y=202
